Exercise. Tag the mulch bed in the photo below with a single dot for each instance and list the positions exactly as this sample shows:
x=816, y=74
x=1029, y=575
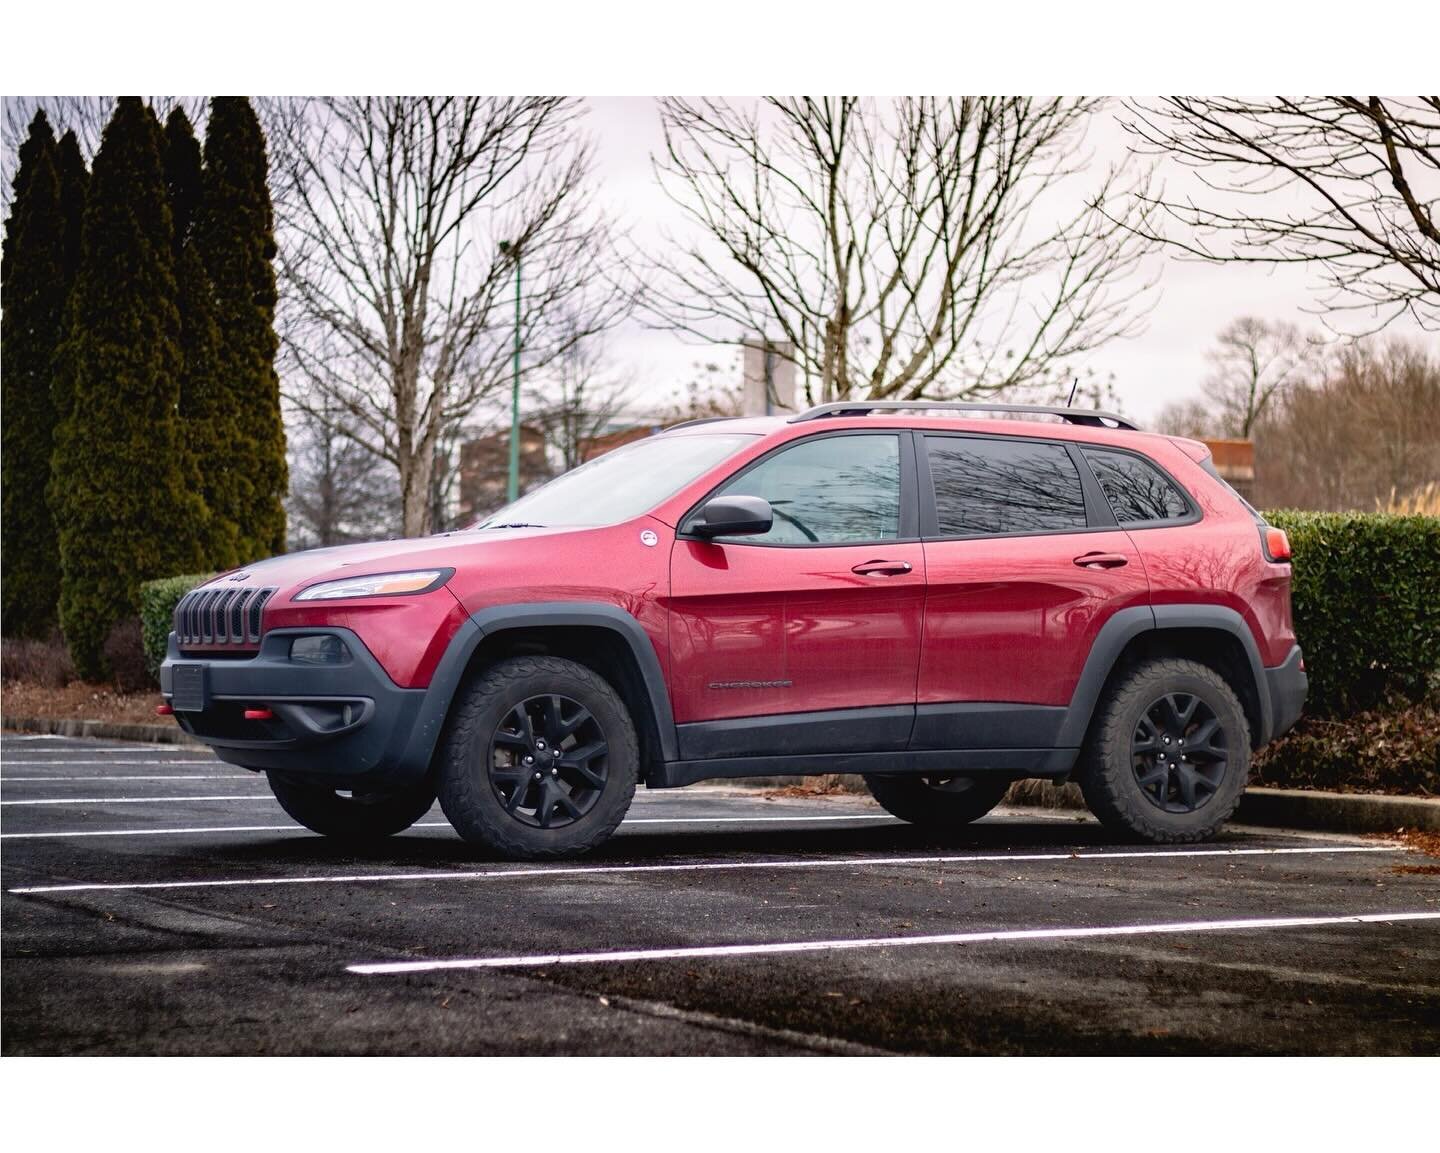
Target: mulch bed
x=80, y=701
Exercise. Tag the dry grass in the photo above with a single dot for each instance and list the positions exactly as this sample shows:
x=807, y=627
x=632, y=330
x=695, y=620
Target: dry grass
x=1424, y=501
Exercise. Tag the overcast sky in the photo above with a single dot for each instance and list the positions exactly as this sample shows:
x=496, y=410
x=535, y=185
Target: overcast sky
x=1164, y=363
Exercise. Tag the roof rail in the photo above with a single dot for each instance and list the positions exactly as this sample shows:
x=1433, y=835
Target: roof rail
x=698, y=420
x=1094, y=418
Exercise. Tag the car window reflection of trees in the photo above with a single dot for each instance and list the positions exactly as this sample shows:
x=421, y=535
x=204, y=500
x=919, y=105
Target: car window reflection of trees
x=990, y=487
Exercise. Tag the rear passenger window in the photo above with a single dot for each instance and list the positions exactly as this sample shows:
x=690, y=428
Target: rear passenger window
x=987, y=487
x=1137, y=490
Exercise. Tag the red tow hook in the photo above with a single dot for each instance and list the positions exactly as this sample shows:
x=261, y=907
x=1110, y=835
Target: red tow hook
x=164, y=711
x=259, y=715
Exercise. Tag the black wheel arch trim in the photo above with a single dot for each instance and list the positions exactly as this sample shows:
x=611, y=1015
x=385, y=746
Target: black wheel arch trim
x=540, y=614
x=1125, y=625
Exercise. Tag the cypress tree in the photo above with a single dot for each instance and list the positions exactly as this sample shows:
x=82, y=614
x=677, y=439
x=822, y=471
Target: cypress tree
x=235, y=231
x=118, y=490
x=74, y=180
x=34, y=307
x=209, y=417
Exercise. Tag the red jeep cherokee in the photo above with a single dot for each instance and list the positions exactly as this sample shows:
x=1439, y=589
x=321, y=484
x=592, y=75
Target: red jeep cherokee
x=941, y=601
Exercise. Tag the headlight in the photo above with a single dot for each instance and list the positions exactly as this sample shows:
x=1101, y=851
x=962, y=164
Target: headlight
x=390, y=584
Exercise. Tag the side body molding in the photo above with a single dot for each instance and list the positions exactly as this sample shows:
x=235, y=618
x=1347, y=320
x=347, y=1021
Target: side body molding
x=543, y=614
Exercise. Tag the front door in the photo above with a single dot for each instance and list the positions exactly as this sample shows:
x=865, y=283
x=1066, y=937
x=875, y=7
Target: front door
x=805, y=639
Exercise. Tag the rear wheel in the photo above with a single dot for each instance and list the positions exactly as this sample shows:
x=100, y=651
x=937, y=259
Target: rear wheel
x=1168, y=753
x=358, y=815
x=540, y=759
x=938, y=802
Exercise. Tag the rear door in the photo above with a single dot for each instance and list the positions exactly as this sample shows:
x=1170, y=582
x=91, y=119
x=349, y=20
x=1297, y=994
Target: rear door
x=1024, y=564
x=805, y=639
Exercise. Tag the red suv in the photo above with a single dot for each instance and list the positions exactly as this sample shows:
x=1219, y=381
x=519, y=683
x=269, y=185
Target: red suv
x=921, y=593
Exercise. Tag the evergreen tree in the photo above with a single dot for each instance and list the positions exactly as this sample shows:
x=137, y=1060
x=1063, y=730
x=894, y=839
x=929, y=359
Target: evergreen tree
x=118, y=489
x=236, y=235
x=34, y=307
x=210, y=418
x=74, y=180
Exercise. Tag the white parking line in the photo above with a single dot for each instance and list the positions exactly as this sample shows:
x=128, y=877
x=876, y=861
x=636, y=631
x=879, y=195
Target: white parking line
x=7, y=779
x=886, y=942
x=882, y=818
x=12, y=762
x=129, y=800
x=523, y=873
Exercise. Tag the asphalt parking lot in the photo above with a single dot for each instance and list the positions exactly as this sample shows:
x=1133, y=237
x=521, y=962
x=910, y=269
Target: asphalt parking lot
x=158, y=901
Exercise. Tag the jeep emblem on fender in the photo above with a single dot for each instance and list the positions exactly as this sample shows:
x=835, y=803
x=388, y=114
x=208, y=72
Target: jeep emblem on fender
x=648, y=537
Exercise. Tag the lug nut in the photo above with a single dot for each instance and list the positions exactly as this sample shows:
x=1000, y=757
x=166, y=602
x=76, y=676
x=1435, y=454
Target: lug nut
x=529, y=760
x=539, y=775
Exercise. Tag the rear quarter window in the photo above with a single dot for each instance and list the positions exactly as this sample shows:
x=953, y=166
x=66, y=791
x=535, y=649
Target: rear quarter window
x=1137, y=491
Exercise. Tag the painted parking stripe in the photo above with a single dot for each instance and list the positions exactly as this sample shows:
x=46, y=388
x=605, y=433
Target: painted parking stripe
x=694, y=952
x=524, y=873
x=882, y=818
x=12, y=762
x=7, y=779
x=131, y=800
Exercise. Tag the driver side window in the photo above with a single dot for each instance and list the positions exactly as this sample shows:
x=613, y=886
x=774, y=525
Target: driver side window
x=830, y=490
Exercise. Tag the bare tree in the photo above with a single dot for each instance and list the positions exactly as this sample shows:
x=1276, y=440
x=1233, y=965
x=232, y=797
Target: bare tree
x=1361, y=177
x=397, y=293
x=1253, y=363
x=578, y=398
x=339, y=490
x=917, y=248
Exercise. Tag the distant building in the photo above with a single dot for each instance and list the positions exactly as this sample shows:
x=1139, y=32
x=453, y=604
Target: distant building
x=619, y=434
x=1235, y=462
x=768, y=375
x=485, y=470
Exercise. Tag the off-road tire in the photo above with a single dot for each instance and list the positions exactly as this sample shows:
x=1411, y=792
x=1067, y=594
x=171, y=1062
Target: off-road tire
x=1107, y=775
x=915, y=799
x=360, y=816
x=467, y=795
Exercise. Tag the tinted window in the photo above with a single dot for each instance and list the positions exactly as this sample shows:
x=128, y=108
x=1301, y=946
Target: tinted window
x=828, y=491
x=1136, y=490
x=984, y=487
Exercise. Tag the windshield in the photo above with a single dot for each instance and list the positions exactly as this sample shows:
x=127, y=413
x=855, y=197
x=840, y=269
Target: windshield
x=619, y=485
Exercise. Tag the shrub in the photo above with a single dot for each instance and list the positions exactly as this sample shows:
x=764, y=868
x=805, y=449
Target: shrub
x=157, y=612
x=46, y=663
x=1366, y=597
x=125, y=656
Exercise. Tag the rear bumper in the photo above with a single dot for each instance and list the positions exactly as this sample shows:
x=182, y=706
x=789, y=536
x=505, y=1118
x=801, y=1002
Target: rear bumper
x=338, y=724
x=1288, y=686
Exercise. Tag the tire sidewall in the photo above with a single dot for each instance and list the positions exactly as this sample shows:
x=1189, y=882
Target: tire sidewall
x=469, y=798
x=1139, y=694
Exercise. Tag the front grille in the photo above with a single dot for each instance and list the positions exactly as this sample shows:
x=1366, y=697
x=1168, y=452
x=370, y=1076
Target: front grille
x=220, y=616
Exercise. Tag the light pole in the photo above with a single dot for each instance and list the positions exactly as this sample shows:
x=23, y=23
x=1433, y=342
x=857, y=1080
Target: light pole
x=512, y=488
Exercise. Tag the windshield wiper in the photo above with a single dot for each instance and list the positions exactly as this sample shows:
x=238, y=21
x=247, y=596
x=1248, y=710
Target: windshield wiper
x=513, y=524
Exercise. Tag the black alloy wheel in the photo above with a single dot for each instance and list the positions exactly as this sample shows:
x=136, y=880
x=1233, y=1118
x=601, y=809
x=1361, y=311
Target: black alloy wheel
x=1179, y=753
x=548, y=761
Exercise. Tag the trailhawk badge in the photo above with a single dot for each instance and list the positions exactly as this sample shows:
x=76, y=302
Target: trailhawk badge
x=648, y=537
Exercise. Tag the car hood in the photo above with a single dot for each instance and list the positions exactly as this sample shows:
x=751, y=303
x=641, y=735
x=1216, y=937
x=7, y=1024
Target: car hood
x=445, y=550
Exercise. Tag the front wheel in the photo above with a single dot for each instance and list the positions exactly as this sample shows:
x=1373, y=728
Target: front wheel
x=353, y=815
x=938, y=802
x=540, y=759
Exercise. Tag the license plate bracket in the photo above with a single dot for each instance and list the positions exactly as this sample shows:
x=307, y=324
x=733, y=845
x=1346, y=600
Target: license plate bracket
x=188, y=688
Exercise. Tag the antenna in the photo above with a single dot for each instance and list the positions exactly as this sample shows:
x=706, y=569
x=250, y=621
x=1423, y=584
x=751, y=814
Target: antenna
x=1073, y=387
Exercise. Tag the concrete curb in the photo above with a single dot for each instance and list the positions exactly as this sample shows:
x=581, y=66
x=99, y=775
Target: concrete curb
x=101, y=730
x=1268, y=808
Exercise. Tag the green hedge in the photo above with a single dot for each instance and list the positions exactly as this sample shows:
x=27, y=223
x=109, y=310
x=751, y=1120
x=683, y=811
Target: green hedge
x=157, y=612
x=1366, y=597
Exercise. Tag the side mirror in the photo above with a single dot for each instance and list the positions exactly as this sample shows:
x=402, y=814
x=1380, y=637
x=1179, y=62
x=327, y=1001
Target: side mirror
x=733, y=516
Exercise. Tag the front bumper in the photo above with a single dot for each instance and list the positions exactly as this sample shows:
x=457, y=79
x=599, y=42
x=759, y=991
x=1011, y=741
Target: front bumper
x=1288, y=686
x=341, y=725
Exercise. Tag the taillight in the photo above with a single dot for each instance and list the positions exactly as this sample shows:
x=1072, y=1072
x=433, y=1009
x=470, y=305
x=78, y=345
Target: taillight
x=1275, y=544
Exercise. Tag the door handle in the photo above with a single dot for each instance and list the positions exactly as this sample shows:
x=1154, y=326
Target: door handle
x=1101, y=560
x=882, y=568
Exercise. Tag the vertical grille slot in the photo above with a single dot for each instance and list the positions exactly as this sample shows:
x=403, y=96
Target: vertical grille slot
x=211, y=617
